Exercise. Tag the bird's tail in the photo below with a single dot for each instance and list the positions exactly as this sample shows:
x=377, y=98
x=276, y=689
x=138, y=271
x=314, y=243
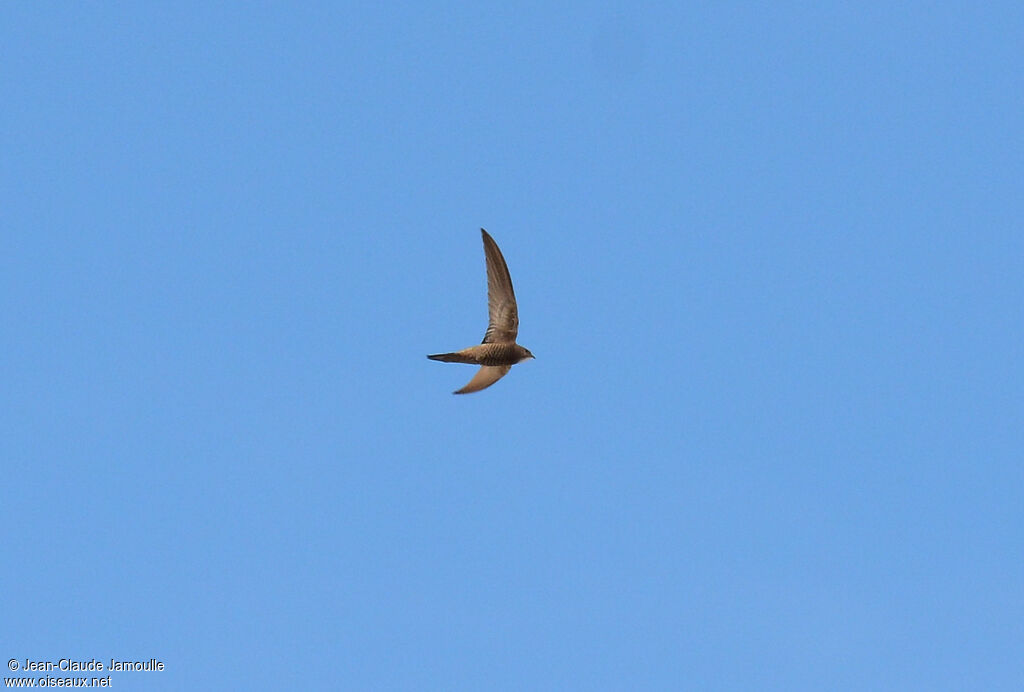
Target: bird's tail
x=451, y=358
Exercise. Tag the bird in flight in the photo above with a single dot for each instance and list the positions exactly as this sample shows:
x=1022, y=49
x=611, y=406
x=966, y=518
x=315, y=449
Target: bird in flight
x=499, y=350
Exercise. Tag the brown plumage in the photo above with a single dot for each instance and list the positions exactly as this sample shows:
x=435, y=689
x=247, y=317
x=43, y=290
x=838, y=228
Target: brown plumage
x=499, y=350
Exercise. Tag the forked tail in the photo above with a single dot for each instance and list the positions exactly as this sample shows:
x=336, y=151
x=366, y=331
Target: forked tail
x=451, y=358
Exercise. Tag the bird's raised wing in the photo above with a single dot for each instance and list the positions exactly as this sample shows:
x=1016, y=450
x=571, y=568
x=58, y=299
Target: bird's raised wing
x=484, y=378
x=503, y=324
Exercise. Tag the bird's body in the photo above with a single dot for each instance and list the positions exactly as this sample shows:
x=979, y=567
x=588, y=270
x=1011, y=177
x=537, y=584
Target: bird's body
x=499, y=350
x=486, y=354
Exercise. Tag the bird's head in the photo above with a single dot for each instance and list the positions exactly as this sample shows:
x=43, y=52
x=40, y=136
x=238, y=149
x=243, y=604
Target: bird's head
x=526, y=355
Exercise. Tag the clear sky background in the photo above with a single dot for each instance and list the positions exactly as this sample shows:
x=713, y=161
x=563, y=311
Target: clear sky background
x=769, y=257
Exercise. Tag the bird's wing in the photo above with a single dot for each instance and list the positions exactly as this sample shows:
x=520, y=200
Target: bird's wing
x=503, y=325
x=484, y=378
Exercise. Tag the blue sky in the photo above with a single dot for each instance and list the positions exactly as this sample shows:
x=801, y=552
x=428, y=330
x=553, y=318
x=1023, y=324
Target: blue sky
x=769, y=258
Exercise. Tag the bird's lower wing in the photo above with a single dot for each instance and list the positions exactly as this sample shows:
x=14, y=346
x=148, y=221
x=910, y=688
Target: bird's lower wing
x=484, y=378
